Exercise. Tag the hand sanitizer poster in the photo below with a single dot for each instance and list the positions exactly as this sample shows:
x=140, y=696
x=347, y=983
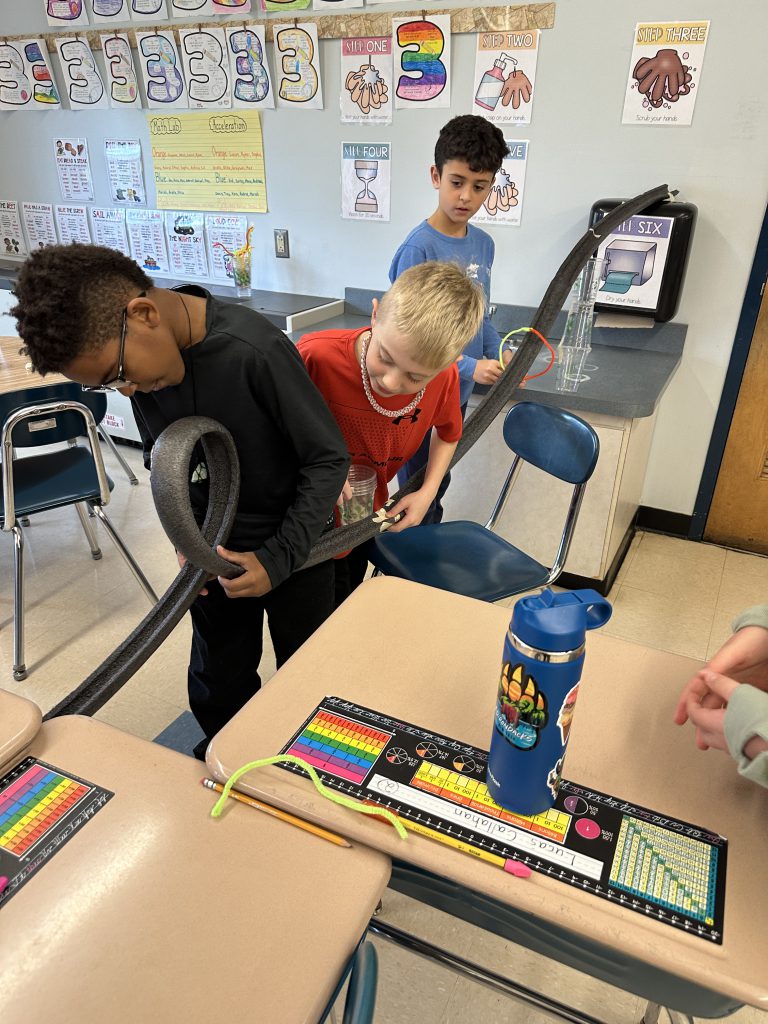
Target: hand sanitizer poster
x=505, y=73
x=365, y=178
x=504, y=205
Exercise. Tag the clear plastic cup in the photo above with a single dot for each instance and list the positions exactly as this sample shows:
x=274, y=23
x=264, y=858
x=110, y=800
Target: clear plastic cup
x=362, y=480
x=241, y=269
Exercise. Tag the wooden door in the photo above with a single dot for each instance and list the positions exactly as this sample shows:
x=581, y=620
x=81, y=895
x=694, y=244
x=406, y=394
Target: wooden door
x=738, y=516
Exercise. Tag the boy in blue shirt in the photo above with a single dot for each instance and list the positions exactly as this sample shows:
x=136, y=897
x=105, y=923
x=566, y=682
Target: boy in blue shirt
x=468, y=153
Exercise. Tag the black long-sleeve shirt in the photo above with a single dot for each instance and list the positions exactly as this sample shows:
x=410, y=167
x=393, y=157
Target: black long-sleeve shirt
x=293, y=460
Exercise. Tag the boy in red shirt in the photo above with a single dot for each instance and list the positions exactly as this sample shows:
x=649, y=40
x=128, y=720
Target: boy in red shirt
x=389, y=385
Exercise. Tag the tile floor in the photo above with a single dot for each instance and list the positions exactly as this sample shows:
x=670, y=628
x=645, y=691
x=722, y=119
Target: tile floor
x=672, y=594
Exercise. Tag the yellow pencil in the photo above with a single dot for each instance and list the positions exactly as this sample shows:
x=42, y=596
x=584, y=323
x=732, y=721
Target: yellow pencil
x=322, y=833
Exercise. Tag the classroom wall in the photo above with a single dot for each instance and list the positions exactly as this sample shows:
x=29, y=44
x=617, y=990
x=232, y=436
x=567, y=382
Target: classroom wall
x=579, y=152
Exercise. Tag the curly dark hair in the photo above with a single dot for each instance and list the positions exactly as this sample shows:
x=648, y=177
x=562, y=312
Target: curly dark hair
x=70, y=300
x=472, y=139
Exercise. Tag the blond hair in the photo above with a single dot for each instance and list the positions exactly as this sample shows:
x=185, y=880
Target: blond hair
x=438, y=308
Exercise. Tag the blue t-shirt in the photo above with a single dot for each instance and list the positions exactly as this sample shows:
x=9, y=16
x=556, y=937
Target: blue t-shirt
x=474, y=253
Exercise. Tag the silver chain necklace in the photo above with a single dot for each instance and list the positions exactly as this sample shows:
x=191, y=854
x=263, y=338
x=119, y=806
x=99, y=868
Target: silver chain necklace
x=391, y=413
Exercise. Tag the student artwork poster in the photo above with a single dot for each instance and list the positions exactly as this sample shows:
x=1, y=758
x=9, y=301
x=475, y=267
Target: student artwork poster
x=365, y=180
x=504, y=205
x=191, y=8
x=225, y=233
x=27, y=79
x=148, y=10
x=206, y=68
x=251, y=81
x=160, y=66
x=232, y=6
x=74, y=168
x=73, y=224
x=505, y=74
x=11, y=235
x=185, y=236
x=422, y=61
x=109, y=11
x=122, y=82
x=108, y=228
x=297, y=57
x=285, y=5
x=82, y=82
x=39, y=224
x=665, y=72
x=147, y=240
x=366, y=77
x=124, y=171
x=334, y=5
x=65, y=13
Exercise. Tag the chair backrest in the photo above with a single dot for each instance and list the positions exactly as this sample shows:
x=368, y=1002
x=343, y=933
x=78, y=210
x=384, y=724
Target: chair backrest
x=554, y=440
x=51, y=428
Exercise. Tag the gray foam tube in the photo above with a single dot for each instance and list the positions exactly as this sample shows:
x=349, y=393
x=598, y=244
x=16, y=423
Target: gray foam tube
x=170, y=471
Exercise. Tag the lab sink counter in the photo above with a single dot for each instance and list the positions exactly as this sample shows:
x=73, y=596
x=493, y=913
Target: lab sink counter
x=627, y=373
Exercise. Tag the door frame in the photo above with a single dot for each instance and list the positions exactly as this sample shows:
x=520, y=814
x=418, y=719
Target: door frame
x=741, y=345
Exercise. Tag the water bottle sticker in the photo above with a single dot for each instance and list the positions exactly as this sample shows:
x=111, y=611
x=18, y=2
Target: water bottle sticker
x=565, y=717
x=521, y=711
x=555, y=777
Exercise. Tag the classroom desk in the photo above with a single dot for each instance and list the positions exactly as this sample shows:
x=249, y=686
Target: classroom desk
x=154, y=911
x=432, y=658
x=14, y=376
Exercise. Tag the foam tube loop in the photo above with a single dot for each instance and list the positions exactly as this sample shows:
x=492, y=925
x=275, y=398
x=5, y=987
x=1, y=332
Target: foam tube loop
x=170, y=472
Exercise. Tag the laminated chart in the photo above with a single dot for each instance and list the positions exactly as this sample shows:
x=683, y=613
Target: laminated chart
x=41, y=808
x=643, y=861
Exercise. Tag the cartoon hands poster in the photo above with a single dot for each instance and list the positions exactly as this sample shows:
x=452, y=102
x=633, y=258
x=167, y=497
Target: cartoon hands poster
x=422, y=61
x=366, y=77
x=504, y=205
x=505, y=74
x=664, y=72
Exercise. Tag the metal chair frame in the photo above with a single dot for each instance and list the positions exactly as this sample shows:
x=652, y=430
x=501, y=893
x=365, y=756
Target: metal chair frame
x=10, y=523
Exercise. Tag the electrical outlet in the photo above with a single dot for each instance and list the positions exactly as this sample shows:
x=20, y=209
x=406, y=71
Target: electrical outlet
x=282, y=249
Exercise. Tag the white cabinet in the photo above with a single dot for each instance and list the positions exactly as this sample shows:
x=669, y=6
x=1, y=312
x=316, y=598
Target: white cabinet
x=534, y=517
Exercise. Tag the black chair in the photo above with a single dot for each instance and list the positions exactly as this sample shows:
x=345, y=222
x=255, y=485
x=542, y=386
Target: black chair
x=70, y=475
x=470, y=559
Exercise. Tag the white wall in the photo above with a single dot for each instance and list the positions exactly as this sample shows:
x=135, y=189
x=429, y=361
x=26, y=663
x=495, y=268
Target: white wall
x=579, y=152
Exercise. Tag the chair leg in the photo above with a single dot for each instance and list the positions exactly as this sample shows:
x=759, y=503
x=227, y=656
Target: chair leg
x=128, y=471
x=651, y=1015
x=19, y=668
x=127, y=556
x=82, y=515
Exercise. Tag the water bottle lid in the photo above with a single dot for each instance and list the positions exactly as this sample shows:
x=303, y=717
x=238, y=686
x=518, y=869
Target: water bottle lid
x=558, y=622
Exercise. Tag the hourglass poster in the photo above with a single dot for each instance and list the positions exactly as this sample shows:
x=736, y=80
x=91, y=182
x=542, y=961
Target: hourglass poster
x=365, y=178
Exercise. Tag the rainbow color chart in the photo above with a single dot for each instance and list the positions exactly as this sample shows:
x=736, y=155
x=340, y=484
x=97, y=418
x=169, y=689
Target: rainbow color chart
x=41, y=809
x=338, y=745
x=32, y=804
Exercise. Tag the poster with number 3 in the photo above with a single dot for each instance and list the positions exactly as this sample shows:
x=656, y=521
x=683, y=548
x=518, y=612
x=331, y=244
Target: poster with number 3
x=422, y=61
x=160, y=65
x=297, y=60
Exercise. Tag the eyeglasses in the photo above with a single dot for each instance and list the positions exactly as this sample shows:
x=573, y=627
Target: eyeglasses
x=120, y=380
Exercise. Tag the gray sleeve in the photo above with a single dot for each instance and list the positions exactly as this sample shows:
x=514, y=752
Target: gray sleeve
x=747, y=716
x=755, y=616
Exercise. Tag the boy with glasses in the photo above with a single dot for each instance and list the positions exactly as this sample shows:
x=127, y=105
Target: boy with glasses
x=92, y=314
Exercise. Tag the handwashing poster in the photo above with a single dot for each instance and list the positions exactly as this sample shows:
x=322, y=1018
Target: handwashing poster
x=366, y=80
x=504, y=205
x=365, y=180
x=664, y=72
x=636, y=253
x=505, y=74
x=422, y=61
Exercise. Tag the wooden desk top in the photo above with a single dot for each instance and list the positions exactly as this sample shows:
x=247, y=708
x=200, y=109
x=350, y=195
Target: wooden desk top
x=14, y=376
x=154, y=911
x=432, y=658
x=20, y=721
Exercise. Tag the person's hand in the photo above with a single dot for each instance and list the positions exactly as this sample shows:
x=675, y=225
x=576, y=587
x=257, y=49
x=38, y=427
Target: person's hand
x=487, y=371
x=413, y=506
x=744, y=657
x=516, y=87
x=254, y=582
x=346, y=493
x=663, y=77
x=703, y=703
x=182, y=562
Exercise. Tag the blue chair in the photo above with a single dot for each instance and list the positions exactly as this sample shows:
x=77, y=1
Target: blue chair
x=71, y=475
x=360, y=1002
x=470, y=559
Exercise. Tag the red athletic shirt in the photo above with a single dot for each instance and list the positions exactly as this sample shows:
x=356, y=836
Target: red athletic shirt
x=372, y=439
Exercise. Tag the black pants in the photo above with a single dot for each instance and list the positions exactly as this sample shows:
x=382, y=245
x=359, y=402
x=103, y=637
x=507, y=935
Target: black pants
x=434, y=513
x=227, y=639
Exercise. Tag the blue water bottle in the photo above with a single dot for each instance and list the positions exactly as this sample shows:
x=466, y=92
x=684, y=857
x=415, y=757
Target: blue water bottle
x=543, y=658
